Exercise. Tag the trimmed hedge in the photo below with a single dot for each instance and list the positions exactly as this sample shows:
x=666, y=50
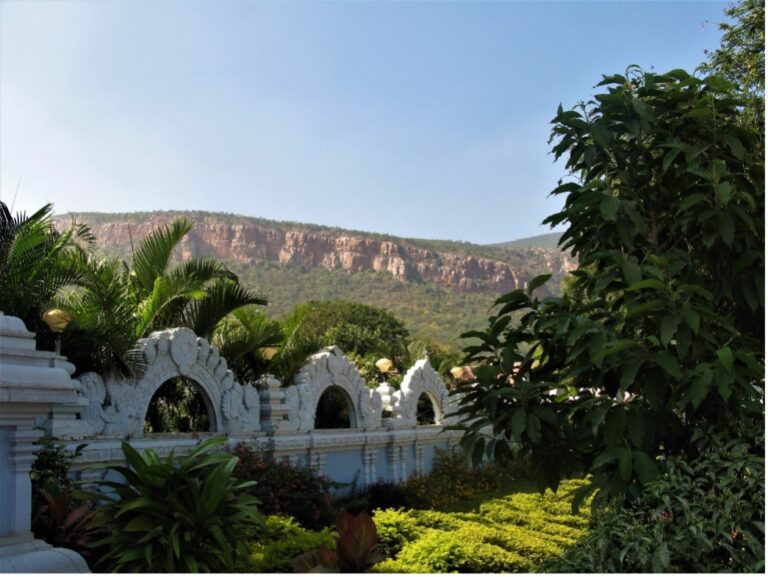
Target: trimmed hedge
x=282, y=540
x=515, y=533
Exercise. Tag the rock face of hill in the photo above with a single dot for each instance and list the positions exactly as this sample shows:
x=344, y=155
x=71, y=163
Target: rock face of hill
x=255, y=242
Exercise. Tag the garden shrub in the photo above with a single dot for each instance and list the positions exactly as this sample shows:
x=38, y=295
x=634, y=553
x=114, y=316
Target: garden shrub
x=514, y=533
x=706, y=516
x=282, y=540
x=452, y=480
x=165, y=516
x=286, y=489
x=463, y=551
x=395, y=528
x=58, y=517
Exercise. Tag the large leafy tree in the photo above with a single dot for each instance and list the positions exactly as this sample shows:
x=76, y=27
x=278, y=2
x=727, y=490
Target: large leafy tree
x=741, y=55
x=656, y=346
x=123, y=302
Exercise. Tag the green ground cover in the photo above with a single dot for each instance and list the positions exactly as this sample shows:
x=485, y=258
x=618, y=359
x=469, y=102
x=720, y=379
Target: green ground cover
x=513, y=529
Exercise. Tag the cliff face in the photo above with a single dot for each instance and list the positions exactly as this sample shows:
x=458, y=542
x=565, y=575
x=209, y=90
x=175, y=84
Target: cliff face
x=256, y=244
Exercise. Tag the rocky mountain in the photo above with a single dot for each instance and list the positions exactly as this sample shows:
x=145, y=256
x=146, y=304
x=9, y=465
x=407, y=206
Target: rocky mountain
x=254, y=242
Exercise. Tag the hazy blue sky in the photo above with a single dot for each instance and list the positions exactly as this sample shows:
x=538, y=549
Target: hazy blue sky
x=422, y=119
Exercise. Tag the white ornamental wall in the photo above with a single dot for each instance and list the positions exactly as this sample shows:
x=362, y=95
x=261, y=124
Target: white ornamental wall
x=266, y=414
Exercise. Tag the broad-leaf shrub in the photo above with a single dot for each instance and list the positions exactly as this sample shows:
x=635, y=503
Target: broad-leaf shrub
x=286, y=489
x=659, y=336
x=192, y=515
x=58, y=517
x=282, y=540
x=706, y=516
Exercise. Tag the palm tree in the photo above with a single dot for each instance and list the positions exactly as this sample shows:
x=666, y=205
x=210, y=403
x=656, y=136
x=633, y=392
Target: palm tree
x=121, y=303
x=36, y=262
x=242, y=337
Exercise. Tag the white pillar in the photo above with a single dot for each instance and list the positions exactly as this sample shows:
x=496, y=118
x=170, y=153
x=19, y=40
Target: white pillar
x=32, y=382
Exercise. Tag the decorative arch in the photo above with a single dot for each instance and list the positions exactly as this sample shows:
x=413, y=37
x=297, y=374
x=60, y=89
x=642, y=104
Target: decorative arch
x=341, y=397
x=326, y=369
x=420, y=379
x=119, y=406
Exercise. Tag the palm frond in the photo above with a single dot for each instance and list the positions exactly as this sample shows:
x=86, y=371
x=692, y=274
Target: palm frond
x=224, y=297
x=151, y=259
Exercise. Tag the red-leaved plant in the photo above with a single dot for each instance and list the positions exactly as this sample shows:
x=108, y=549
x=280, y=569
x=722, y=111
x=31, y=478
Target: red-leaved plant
x=356, y=548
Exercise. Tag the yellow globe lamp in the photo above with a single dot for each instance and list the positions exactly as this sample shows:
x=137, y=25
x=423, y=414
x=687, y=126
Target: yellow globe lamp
x=384, y=364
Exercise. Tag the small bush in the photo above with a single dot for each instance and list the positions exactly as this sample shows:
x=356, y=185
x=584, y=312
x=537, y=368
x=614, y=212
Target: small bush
x=452, y=480
x=286, y=489
x=282, y=540
x=706, y=516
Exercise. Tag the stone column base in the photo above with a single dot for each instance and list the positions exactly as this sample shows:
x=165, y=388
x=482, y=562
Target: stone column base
x=35, y=556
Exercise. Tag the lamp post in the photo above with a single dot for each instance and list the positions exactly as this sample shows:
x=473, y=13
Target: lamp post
x=384, y=365
x=57, y=320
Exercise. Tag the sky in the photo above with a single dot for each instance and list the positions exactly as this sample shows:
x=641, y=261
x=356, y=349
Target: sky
x=416, y=119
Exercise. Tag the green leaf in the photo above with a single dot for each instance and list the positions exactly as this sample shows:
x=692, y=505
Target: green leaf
x=723, y=192
x=700, y=388
x=533, y=430
x=726, y=227
x=607, y=456
x=632, y=271
x=636, y=424
x=669, y=363
x=646, y=468
x=668, y=328
x=615, y=425
x=660, y=559
x=669, y=158
x=692, y=319
x=649, y=283
x=737, y=149
x=625, y=464
x=517, y=422
x=725, y=355
x=537, y=282
x=609, y=207
x=629, y=373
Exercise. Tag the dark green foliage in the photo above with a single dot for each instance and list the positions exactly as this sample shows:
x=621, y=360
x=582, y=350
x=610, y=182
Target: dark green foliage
x=285, y=489
x=282, y=540
x=182, y=517
x=57, y=517
x=36, y=261
x=706, y=516
x=658, y=339
x=178, y=406
x=50, y=470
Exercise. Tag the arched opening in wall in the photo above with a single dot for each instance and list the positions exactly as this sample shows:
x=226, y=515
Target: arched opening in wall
x=425, y=410
x=180, y=405
x=334, y=410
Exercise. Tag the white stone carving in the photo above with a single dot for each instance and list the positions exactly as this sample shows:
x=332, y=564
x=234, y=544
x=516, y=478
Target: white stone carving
x=119, y=407
x=327, y=369
x=421, y=378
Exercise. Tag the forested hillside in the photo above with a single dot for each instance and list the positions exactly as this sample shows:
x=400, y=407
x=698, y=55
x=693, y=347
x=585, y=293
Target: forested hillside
x=440, y=288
